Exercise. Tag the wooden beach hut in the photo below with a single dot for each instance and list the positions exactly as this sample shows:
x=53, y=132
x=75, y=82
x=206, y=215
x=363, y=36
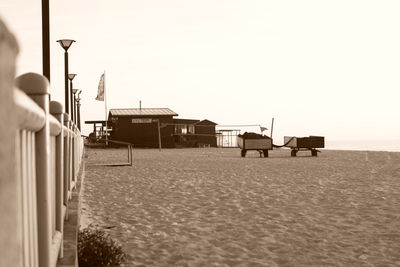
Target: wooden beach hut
x=194, y=133
x=143, y=127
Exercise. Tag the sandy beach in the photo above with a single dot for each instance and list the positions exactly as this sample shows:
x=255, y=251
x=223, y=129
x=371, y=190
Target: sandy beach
x=210, y=207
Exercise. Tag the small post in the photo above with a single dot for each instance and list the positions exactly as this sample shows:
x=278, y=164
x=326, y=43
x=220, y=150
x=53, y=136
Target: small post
x=129, y=153
x=56, y=109
x=131, y=157
x=37, y=87
x=159, y=134
x=272, y=127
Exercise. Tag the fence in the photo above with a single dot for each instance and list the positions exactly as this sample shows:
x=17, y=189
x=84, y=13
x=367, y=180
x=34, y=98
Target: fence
x=40, y=155
x=48, y=153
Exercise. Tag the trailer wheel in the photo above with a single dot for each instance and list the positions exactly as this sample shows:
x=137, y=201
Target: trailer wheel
x=243, y=153
x=293, y=153
x=314, y=152
x=265, y=153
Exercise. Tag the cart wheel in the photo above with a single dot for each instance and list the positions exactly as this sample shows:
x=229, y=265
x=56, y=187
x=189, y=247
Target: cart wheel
x=293, y=153
x=314, y=152
x=243, y=153
x=265, y=153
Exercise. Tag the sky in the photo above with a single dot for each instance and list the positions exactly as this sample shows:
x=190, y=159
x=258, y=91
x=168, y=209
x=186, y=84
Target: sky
x=318, y=67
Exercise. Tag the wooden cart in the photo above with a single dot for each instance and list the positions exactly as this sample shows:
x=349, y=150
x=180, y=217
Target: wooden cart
x=311, y=143
x=262, y=145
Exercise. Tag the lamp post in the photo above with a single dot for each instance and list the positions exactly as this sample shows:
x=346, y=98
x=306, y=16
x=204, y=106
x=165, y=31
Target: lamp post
x=46, y=39
x=78, y=103
x=71, y=76
x=74, y=91
x=66, y=43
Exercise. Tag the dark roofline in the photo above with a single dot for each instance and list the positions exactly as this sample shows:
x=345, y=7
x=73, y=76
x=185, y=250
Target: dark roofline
x=136, y=108
x=210, y=122
x=173, y=113
x=186, y=121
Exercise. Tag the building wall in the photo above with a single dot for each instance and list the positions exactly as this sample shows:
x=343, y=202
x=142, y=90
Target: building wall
x=205, y=131
x=143, y=134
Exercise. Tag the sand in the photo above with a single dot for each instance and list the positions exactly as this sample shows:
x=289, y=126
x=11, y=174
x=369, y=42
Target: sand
x=210, y=207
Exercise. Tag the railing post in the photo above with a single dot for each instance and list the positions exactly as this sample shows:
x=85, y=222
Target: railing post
x=66, y=162
x=10, y=195
x=72, y=155
x=56, y=109
x=37, y=87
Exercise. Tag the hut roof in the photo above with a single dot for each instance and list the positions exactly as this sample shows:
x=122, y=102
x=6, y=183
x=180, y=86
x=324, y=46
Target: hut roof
x=142, y=112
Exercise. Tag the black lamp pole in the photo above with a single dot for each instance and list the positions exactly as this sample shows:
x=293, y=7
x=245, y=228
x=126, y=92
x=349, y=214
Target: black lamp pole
x=78, y=115
x=46, y=38
x=66, y=43
x=71, y=76
x=74, y=91
x=78, y=103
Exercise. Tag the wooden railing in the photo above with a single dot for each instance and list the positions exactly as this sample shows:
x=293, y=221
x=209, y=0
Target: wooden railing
x=48, y=153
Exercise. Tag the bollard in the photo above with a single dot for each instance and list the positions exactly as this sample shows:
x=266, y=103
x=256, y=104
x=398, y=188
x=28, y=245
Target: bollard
x=37, y=87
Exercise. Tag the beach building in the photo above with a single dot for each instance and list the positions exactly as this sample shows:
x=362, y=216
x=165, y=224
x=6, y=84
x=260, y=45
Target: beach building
x=155, y=127
x=205, y=133
x=99, y=128
x=194, y=133
x=143, y=127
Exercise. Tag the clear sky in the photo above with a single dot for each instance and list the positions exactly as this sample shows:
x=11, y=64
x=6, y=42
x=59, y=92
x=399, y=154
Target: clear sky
x=318, y=67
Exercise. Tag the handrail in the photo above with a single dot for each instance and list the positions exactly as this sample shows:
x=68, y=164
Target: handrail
x=55, y=126
x=29, y=115
x=66, y=131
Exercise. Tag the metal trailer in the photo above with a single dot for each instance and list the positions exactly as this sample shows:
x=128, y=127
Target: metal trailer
x=262, y=145
x=311, y=143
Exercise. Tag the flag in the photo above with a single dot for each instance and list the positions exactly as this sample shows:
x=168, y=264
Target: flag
x=100, y=90
x=263, y=129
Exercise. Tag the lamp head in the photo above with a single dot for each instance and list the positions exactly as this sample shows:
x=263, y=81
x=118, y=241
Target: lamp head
x=71, y=76
x=66, y=43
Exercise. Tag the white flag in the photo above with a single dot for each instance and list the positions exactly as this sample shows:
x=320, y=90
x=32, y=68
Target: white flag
x=100, y=90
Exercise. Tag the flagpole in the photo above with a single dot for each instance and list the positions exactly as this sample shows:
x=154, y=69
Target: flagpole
x=105, y=106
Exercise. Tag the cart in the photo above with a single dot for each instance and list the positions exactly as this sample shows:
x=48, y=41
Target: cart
x=262, y=145
x=311, y=143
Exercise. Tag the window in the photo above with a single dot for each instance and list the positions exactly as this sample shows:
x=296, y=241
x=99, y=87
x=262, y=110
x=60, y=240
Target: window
x=191, y=129
x=181, y=129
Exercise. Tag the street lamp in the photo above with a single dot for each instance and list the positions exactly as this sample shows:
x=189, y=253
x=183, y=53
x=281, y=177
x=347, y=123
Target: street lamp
x=71, y=76
x=66, y=43
x=78, y=103
x=74, y=91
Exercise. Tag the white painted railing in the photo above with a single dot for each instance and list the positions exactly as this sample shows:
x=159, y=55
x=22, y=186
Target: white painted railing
x=49, y=151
